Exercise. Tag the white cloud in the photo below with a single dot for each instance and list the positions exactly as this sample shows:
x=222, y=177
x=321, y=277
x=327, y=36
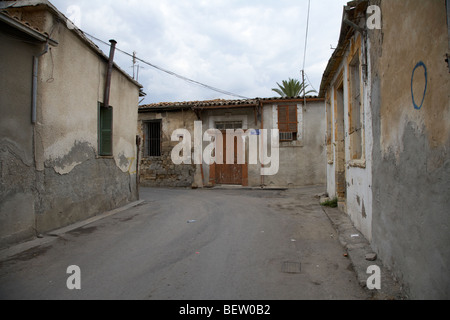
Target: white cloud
x=240, y=46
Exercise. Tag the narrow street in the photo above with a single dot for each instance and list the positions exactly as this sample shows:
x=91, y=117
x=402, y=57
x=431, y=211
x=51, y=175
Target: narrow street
x=230, y=244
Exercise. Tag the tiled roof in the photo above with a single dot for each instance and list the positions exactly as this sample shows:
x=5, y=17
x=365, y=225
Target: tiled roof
x=217, y=103
x=204, y=103
x=25, y=26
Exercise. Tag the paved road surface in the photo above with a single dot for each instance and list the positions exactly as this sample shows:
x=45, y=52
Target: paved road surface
x=243, y=244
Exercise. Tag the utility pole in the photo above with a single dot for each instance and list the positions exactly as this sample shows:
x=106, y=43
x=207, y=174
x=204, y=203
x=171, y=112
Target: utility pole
x=134, y=62
x=304, y=91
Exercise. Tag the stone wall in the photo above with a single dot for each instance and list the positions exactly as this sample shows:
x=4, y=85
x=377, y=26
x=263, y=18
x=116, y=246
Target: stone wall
x=161, y=171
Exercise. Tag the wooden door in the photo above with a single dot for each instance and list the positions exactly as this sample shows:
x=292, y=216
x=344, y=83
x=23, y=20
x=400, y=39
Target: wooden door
x=232, y=174
x=229, y=173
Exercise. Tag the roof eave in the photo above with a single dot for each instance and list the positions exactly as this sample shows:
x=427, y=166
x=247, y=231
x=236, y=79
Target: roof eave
x=53, y=10
x=346, y=33
x=27, y=30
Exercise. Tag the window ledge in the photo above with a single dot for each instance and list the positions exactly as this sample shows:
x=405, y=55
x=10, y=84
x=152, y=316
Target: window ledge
x=357, y=163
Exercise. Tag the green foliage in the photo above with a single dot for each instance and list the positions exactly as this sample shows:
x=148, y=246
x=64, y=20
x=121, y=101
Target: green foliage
x=332, y=203
x=292, y=88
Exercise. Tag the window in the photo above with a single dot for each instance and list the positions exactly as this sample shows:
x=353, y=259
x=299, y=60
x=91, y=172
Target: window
x=287, y=122
x=355, y=129
x=223, y=125
x=105, y=124
x=152, y=136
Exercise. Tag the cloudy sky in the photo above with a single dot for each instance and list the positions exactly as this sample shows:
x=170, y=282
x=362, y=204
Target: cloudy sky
x=240, y=46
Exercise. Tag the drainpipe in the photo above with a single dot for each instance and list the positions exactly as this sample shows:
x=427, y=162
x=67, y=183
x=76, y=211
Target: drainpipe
x=34, y=84
x=109, y=72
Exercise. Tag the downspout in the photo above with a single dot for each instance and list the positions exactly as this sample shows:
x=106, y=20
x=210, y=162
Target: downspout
x=34, y=118
x=109, y=73
x=35, y=82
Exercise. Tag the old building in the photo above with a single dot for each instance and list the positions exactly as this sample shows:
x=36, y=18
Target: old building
x=301, y=146
x=65, y=154
x=386, y=90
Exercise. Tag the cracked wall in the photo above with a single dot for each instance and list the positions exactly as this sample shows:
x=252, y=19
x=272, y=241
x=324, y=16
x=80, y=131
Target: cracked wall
x=160, y=171
x=411, y=140
x=17, y=175
x=51, y=173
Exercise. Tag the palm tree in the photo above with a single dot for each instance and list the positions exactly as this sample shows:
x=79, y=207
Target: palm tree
x=292, y=88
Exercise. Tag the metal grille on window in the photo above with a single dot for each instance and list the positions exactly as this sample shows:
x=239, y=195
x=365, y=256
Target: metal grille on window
x=223, y=125
x=286, y=136
x=153, y=139
x=287, y=122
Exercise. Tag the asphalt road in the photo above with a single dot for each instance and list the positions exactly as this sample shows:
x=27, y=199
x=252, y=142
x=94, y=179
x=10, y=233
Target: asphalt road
x=211, y=244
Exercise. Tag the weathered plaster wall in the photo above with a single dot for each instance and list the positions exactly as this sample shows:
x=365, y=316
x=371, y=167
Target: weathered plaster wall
x=161, y=171
x=411, y=166
x=17, y=174
x=358, y=173
x=302, y=162
x=331, y=162
x=247, y=117
x=74, y=182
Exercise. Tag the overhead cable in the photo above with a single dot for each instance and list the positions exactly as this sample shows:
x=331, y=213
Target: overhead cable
x=170, y=72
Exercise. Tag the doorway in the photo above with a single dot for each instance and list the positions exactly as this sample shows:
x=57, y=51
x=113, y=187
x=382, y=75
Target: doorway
x=230, y=174
x=340, y=170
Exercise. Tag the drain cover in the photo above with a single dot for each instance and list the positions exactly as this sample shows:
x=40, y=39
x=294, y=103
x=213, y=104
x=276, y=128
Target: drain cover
x=291, y=267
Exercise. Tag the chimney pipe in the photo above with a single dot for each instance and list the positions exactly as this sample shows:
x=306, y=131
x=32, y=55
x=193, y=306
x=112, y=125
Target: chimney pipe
x=109, y=72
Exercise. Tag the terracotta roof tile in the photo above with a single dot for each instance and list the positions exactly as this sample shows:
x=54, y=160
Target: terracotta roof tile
x=216, y=103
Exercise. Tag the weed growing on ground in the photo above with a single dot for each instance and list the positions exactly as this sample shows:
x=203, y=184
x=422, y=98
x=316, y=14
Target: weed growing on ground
x=332, y=203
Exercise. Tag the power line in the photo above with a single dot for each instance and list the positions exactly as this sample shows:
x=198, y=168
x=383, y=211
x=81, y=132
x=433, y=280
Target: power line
x=170, y=72
x=307, y=78
x=304, y=53
x=306, y=37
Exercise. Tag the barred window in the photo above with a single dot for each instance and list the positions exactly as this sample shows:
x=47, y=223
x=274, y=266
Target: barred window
x=152, y=139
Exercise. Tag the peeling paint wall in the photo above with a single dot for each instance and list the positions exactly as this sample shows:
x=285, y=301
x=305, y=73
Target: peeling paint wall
x=301, y=162
x=160, y=171
x=399, y=198
x=76, y=181
x=247, y=117
x=349, y=179
x=411, y=142
x=17, y=175
x=65, y=179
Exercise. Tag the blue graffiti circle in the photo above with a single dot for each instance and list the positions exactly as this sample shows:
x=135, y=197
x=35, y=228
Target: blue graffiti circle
x=420, y=64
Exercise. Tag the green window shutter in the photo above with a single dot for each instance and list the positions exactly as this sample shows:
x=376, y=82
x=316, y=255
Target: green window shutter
x=105, y=131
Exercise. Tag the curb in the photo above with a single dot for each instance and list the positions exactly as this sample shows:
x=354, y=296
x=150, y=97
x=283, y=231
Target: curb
x=359, y=250
x=52, y=235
